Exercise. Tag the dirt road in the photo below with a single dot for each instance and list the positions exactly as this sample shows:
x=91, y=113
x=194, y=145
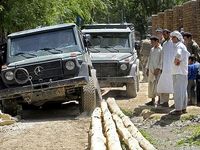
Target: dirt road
x=56, y=128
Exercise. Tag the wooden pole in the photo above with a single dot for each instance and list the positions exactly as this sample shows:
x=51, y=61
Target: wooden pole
x=125, y=135
x=144, y=143
x=98, y=141
x=113, y=142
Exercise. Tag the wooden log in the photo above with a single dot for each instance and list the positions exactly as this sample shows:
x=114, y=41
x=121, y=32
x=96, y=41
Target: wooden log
x=125, y=135
x=98, y=140
x=144, y=143
x=113, y=142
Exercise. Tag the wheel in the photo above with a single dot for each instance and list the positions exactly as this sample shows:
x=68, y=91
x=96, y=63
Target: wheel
x=88, y=98
x=131, y=90
x=9, y=107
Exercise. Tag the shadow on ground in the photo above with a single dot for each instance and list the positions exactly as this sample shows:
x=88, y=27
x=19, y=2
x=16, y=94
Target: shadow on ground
x=50, y=112
x=117, y=94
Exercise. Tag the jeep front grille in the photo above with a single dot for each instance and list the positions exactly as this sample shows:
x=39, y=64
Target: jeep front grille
x=43, y=72
x=109, y=70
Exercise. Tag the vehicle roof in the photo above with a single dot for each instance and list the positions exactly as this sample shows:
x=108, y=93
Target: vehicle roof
x=106, y=30
x=108, y=26
x=41, y=29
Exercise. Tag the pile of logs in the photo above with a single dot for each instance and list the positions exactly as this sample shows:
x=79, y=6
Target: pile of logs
x=178, y=17
x=110, y=127
x=168, y=19
x=190, y=17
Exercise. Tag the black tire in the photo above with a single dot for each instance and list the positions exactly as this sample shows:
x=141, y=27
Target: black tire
x=131, y=90
x=9, y=107
x=88, y=98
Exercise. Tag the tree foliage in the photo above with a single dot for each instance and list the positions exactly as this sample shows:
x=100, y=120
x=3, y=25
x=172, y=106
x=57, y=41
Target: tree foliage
x=18, y=15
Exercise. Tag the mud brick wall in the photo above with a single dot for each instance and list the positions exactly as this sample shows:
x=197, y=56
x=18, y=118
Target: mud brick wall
x=154, y=23
x=168, y=19
x=198, y=22
x=190, y=22
x=161, y=20
x=177, y=17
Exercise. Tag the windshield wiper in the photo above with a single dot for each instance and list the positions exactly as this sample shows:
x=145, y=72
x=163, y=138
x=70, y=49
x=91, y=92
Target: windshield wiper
x=50, y=50
x=93, y=50
x=109, y=49
x=26, y=55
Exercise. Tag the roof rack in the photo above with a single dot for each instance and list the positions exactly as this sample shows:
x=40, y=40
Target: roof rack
x=108, y=26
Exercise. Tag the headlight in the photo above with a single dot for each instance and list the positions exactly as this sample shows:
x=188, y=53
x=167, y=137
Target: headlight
x=70, y=65
x=123, y=67
x=9, y=75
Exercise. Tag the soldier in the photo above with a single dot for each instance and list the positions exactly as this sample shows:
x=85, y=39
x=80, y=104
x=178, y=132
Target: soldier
x=191, y=45
x=154, y=69
x=144, y=54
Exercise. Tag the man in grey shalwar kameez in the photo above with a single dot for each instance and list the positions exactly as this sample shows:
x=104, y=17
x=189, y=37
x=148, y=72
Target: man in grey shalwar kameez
x=179, y=72
x=154, y=68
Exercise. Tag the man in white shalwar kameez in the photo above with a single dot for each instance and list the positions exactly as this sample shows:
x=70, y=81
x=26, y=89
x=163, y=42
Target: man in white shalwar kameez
x=165, y=82
x=153, y=68
x=179, y=72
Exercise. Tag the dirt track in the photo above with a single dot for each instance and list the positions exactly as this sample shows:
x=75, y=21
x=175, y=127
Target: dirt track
x=58, y=128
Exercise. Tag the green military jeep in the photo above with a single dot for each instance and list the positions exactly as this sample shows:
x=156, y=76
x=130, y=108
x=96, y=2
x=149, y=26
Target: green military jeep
x=113, y=54
x=47, y=64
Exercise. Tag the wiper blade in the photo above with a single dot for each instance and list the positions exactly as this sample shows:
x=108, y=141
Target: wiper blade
x=93, y=50
x=26, y=55
x=109, y=49
x=50, y=50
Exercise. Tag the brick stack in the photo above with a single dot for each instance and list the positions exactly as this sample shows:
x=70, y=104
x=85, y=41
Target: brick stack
x=198, y=22
x=177, y=17
x=154, y=23
x=190, y=18
x=161, y=20
x=168, y=19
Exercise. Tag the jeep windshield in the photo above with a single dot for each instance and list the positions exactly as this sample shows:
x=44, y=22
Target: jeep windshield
x=108, y=42
x=43, y=43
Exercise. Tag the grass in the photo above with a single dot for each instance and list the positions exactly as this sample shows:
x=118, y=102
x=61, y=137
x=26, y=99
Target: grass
x=187, y=117
x=194, y=139
x=148, y=137
x=128, y=113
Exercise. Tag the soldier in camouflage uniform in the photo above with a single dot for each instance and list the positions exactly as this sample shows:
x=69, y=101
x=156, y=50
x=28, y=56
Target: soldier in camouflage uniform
x=144, y=55
x=191, y=45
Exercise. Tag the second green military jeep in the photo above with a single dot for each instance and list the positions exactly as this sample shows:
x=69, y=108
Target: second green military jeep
x=113, y=54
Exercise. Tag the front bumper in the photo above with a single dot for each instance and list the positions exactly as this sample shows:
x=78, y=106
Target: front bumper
x=115, y=81
x=29, y=89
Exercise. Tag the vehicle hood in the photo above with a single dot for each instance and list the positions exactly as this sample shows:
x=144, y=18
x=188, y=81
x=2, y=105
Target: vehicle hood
x=96, y=57
x=45, y=58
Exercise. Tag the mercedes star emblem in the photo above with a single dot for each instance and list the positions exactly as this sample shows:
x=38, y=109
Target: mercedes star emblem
x=38, y=70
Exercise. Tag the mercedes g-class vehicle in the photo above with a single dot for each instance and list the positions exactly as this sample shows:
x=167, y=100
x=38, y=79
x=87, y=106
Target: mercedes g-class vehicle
x=113, y=54
x=47, y=64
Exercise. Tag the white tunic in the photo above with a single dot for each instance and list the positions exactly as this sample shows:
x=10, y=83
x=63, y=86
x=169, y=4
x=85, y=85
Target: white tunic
x=154, y=62
x=181, y=53
x=165, y=82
